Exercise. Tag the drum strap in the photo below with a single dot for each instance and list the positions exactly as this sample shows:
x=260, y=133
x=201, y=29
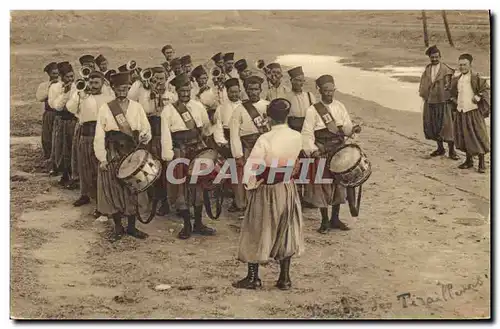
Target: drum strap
x=186, y=116
x=326, y=117
x=258, y=120
x=310, y=100
x=120, y=118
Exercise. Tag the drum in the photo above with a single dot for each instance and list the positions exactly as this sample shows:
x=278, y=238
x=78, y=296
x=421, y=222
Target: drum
x=350, y=165
x=139, y=170
x=204, y=179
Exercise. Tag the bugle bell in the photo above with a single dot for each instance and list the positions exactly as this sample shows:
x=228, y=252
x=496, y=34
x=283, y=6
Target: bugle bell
x=131, y=65
x=260, y=64
x=146, y=74
x=216, y=72
x=85, y=72
x=81, y=84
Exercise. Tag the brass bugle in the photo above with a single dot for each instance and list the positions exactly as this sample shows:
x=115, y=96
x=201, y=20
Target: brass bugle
x=146, y=74
x=81, y=84
x=260, y=64
x=85, y=72
x=216, y=72
x=131, y=65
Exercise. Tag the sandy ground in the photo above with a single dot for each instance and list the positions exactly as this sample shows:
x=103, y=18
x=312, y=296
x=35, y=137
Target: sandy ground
x=423, y=228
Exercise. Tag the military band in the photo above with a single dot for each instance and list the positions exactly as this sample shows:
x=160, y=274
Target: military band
x=172, y=112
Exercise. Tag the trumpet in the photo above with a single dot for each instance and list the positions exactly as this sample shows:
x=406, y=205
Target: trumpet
x=216, y=72
x=85, y=72
x=260, y=64
x=81, y=84
x=131, y=65
x=145, y=77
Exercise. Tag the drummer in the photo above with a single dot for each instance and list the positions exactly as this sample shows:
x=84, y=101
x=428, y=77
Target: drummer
x=326, y=125
x=247, y=123
x=121, y=125
x=183, y=125
x=153, y=99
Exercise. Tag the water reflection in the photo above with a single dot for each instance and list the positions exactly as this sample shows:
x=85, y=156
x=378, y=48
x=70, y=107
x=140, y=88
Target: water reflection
x=379, y=86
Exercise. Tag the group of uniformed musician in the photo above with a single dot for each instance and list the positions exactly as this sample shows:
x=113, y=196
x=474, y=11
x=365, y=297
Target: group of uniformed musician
x=180, y=110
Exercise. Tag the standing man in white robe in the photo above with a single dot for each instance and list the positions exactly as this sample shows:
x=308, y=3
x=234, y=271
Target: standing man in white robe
x=245, y=130
x=273, y=225
x=116, y=137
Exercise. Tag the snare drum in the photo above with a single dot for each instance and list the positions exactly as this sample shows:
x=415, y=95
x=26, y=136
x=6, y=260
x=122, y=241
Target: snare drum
x=350, y=165
x=139, y=170
x=206, y=180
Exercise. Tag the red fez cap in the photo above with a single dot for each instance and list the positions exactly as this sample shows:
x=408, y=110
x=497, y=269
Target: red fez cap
x=278, y=109
x=180, y=81
x=64, y=68
x=99, y=59
x=158, y=69
x=324, y=79
x=432, y=50
x=120, y=79
x=228, y=57
x=122, y=68
x=108, y=74
x=165, y=48
x=274, y=66
x=466, y=56
x=96, y=74
x=198, y=71
x=253, y=80
x=295, y=72
x=175, y=62
x=241, y=65
x=231, y=83
x=50, y=67
x=217, y=57
x=86, y=59
x=186, y=60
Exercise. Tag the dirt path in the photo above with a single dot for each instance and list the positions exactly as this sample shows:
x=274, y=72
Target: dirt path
x=430, y=228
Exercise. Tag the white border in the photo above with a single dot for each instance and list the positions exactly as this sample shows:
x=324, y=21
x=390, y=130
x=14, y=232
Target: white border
x=155, y=5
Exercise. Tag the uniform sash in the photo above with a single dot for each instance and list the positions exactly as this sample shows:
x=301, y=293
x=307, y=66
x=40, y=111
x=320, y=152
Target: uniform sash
x=120, y=118
x=258, y=120
x=326, y=117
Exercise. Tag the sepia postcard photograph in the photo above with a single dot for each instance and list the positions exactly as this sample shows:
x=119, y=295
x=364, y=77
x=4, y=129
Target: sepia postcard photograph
x=250, y=164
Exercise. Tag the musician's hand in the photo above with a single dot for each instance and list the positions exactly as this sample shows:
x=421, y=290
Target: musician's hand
x=476, y=99
x=222, y=144
x=453, y=100
x=356, y=129
x=143, y=138
x=104, y=165
x=67, y=88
